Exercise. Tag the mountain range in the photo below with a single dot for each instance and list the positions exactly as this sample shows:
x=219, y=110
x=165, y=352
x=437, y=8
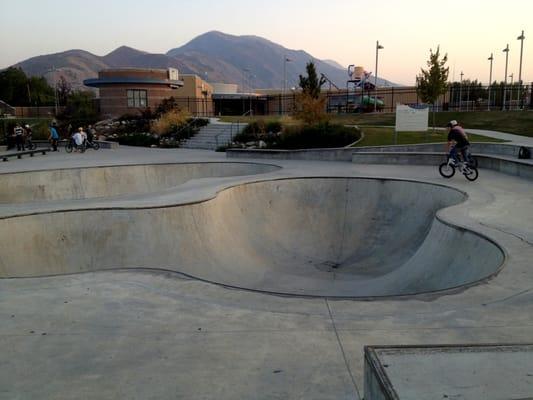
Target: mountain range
x=250, y=61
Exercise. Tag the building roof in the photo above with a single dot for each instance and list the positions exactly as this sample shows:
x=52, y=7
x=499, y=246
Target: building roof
x=99, y=82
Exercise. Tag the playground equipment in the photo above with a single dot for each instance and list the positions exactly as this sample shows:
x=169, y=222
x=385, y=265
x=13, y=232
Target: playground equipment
x=356, y=99
x=359, y=82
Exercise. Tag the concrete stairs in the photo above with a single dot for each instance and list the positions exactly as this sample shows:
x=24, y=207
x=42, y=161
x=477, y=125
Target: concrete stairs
x=214, y=135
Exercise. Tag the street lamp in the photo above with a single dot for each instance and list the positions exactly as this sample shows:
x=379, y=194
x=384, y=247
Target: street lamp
x=378, y=48
x=285, y=61
x=249, y=77
x=521, y=38
x=511, y=94
x=506, y=51
x=461, y=91
x=491, y=58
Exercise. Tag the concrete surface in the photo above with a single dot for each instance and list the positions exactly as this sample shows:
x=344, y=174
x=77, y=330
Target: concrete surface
x=85, y=183
x=508, y=165
x=314, y=237
x=451, y=372
x=500, y=149
x=151, y=334
x=337, y=154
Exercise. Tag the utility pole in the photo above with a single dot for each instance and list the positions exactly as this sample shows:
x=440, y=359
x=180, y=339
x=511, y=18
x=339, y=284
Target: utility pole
x=491, y=58
x=461, y=91
x=521, y=38
x=506, y=51
x=378, y=48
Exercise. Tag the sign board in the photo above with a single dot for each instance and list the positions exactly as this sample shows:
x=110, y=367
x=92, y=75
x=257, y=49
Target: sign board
x=411, y=119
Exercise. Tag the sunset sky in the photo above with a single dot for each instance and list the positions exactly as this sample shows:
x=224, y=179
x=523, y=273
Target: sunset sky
x=342, y=30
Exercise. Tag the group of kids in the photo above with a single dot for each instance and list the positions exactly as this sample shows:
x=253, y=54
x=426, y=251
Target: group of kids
x=22, y=137
x=78, y=138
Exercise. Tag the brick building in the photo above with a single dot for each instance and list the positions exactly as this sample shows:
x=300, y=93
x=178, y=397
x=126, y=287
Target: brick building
x=133, y=90
x=195, y=95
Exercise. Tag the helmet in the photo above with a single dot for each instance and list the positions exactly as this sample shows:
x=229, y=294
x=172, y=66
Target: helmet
x=26, y=126
x=452, y=123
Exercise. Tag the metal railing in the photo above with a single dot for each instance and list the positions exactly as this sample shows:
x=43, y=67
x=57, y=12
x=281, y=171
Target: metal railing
x=185, y=127
x=231, y=128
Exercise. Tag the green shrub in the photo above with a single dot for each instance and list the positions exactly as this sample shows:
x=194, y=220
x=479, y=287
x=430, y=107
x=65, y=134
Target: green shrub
x=259, y=130
x=198, y=122
x=316, y=136
x=170, y=122
x=138, y=139
x=274, y=126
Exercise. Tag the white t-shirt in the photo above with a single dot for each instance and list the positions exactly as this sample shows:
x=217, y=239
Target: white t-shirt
x=78, y=138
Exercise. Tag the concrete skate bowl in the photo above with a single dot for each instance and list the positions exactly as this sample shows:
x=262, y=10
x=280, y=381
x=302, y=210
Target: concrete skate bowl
x=110, y=181
x=331, y=237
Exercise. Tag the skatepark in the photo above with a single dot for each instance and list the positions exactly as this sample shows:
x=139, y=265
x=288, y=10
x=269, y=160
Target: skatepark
x=152, y=273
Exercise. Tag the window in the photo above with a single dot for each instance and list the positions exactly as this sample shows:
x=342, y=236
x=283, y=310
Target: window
x=137, y=98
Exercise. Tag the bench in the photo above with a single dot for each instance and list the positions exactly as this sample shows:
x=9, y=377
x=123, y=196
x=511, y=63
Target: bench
x=19, y=154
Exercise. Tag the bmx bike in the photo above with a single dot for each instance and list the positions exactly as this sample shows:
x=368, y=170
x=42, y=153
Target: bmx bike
x=469, y=170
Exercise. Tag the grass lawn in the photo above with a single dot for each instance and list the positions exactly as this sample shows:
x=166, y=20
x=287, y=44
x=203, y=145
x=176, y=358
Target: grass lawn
x=374, y=136
x=517, y=122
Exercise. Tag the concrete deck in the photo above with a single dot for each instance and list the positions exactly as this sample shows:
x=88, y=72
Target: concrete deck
x=449, y=372
x=143, y=334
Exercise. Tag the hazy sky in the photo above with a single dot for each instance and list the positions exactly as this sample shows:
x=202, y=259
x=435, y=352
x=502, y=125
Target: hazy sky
x=342, y=30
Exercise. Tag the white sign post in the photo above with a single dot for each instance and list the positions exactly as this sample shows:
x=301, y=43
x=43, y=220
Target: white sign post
x=411, y=119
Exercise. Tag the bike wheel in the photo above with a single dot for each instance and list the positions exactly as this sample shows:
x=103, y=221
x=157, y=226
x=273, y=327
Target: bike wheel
x=446, y=170
x=96, y=146
x=31, y=146
x=471, y=174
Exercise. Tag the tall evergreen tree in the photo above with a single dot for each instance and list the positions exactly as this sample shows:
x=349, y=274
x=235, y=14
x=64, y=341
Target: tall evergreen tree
x=432, y=82
x=310, y=84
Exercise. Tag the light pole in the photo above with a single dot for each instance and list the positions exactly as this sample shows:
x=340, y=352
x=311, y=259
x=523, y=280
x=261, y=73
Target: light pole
x=378, y=48
x=521, y=38
x=511, y=94
x=506, y=51
x=461, y=91
x=491, y=58
x=285, y=61
x=249, y=81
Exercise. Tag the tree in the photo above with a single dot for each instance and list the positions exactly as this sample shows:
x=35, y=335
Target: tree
x=64, y=89
x=310, y=84
x=167, y=105
x=13, y=87
x=310, y=107
x=40, y=92
x=80, y=109
x=18, y=90
x=432, y=83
